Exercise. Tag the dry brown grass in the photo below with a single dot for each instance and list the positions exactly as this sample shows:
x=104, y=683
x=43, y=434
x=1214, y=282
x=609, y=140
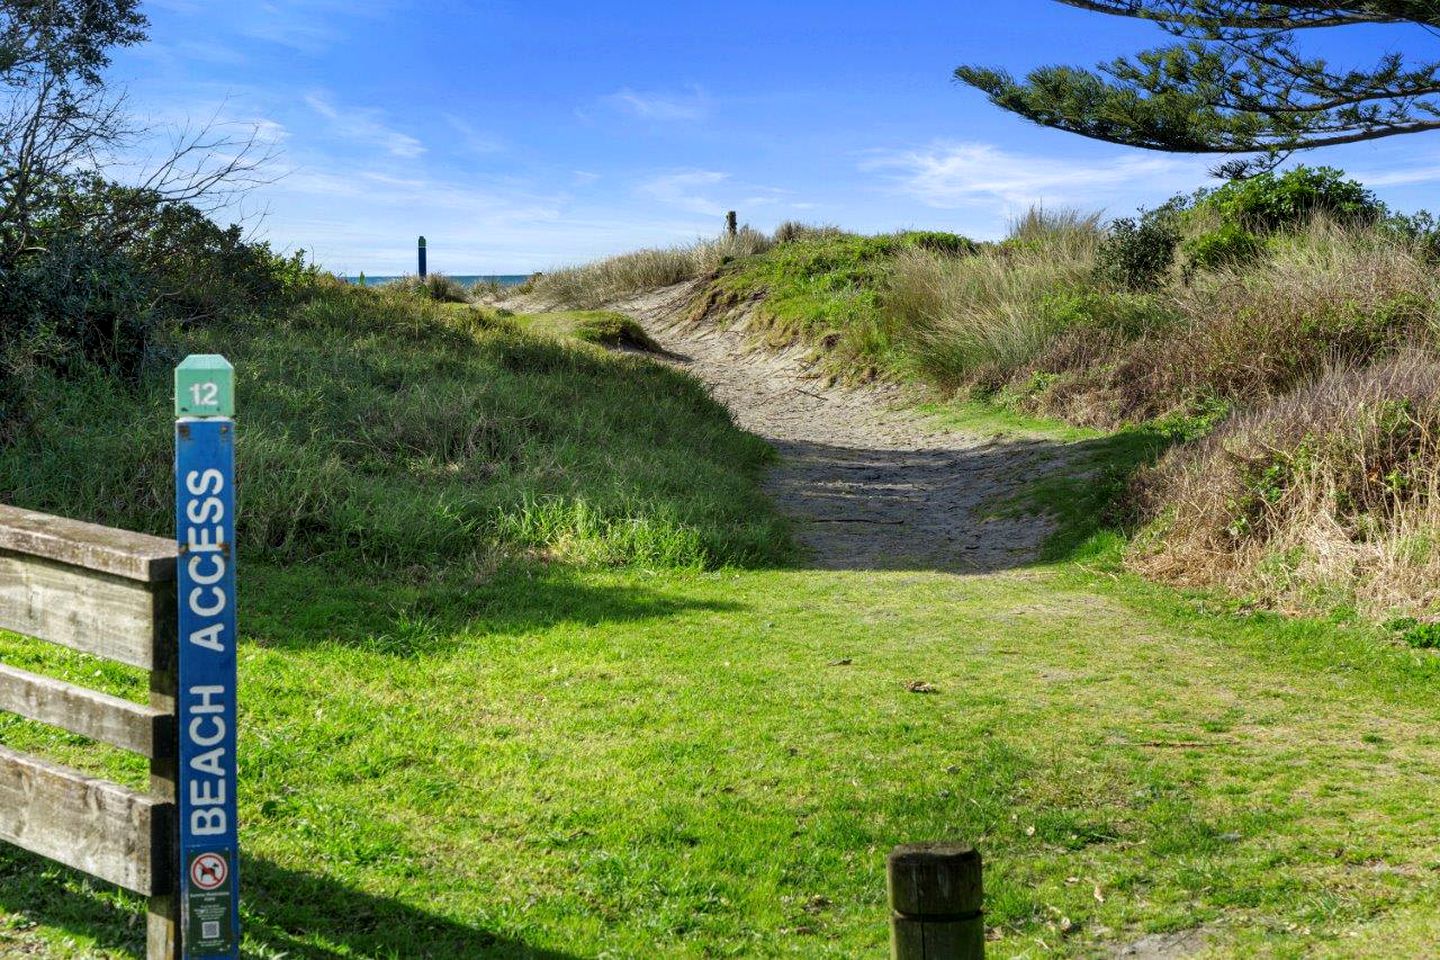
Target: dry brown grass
x=1328, y=494
x=1329, y=295
x=594, y=285
x=1324, y=297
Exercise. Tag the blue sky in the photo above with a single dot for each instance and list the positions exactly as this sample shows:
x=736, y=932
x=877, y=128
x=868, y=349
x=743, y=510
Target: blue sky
x=520, y=135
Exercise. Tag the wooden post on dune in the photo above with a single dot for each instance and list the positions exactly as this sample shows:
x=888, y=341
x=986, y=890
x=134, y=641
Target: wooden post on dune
x=422, y=258
x=732, y=223
x=936, y=896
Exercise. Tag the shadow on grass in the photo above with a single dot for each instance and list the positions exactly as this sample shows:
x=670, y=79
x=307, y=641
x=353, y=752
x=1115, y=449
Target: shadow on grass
x=298, y=916
x=1086, y=499
x=961, y=509
x=306, y=916
x=302, y=606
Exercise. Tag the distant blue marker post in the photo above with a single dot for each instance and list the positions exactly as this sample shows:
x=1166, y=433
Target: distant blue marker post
x=422, y=258
x=205, y=580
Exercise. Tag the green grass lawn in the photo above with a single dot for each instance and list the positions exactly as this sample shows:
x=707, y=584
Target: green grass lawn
x=638, y=764
x=531, y=757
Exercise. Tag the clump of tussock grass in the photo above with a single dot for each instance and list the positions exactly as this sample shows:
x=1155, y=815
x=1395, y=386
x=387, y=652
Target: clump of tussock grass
x=598, y=284
x=793, y=231
x=437, y=287
x=1076, y=232
x=610, y=328
x=976, y=319
x=1327, y=495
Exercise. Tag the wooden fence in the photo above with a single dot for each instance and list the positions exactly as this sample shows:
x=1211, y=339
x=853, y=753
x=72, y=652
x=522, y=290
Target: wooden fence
x=110, y=593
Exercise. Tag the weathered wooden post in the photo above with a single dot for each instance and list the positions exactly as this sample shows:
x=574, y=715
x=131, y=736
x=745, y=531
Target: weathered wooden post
x=206, y=666
x=422, y=258
x=936, y=899
x=732, y=223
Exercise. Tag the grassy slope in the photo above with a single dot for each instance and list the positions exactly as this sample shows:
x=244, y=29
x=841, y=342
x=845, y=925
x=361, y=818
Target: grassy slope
x=381, y=428
x=554, y=761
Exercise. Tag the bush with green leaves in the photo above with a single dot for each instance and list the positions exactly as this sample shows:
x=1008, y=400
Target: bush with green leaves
x=1138, y=252
x=1283, y=201
x=75, y=305
x=1420, y=229
x=110, y=268
x=1229, y=246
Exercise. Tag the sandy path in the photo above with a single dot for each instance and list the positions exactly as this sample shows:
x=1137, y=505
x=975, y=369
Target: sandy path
x=872, y=487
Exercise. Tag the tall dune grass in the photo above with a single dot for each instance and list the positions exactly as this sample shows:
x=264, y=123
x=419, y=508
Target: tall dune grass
x=1326, y=494
x=593, y=285
x=983, y=316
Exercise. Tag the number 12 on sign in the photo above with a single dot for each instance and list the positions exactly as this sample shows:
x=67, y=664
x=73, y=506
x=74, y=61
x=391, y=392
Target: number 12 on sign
x=205, y=529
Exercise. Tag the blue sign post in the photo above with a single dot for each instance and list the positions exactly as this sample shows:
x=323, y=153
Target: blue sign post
x=205, y=578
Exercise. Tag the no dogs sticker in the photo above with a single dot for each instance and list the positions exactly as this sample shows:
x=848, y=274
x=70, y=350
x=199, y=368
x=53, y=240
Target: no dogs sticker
x=208, y=871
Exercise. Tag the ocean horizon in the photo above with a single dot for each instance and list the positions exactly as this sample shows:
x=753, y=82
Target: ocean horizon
x=468, y=279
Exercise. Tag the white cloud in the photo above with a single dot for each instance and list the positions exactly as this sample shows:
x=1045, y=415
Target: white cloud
x=683, y=191
x=950, y=176
x=660, y=107
x=471, y=139
x=306, y=26
x=1400, y=178
x=364, y=126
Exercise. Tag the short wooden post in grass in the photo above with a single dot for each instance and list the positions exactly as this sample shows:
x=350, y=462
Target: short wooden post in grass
x=936, y=900
x=422, y=258
x=206, y=676
x=732, y=223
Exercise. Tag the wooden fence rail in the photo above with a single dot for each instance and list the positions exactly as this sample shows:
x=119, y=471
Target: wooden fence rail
x=110, y=593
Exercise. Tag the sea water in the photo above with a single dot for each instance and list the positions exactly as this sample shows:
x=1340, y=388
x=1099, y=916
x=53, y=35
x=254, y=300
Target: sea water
x=504, y=279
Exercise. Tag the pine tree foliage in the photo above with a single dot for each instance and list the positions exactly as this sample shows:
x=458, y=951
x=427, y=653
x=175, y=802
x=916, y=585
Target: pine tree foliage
x=1236, y=80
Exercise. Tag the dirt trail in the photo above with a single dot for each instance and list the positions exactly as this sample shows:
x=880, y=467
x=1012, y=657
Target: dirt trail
x=873, y=487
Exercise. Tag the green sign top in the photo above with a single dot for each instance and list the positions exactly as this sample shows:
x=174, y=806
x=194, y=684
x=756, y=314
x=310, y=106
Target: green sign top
x=205, y=386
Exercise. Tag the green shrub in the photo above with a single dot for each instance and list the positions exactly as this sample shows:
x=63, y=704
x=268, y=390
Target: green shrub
x=74, y=305
x=203, y=272
x=1423, y=636
x=1288, y=200
x=1229, y=246
x=1420, y=230
x=1138, y=251
x=198, y=271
